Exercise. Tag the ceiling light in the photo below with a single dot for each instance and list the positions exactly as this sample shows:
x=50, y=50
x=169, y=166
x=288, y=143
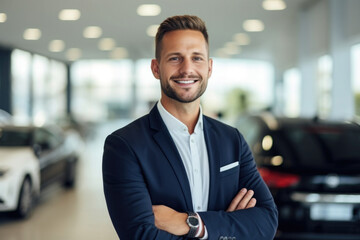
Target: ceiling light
x=152, y=30
x=253, y=25
x=242, y=39
x=69, y=14
x=73, y=54
x=231, y=48
x=32, y=34
x=92, y=32
x=3, y=17
x=222, y=53
x=148, y=10
x=273, y=5
x=56, y=46
x=119, y=53
x=107, y=44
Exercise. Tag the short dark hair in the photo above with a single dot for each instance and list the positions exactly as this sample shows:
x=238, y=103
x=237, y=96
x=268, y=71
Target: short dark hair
x=184, y=22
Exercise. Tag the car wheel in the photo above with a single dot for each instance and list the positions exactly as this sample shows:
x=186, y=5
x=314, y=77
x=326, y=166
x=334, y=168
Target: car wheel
x=25, y=203
x=70, y=174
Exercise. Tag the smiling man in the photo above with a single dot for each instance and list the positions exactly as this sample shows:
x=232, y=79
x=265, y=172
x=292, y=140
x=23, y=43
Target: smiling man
x=175, y=173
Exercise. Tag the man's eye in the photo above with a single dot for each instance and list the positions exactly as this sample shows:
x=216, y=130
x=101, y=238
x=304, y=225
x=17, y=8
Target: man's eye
x=198, y=58
x=174, y=59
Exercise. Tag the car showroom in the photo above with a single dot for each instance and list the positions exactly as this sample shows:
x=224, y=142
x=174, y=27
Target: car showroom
x=285, y=74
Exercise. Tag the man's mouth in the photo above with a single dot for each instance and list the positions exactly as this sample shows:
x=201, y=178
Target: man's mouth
x=185, y=81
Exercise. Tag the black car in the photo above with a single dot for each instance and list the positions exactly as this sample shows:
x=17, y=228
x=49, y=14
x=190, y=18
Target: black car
x=312, y=168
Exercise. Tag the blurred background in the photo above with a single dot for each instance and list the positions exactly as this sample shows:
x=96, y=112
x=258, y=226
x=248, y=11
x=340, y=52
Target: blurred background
x=84, y=67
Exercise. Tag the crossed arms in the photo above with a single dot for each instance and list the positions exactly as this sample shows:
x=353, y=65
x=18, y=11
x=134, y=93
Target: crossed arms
x=174, y=222
x=135, y=199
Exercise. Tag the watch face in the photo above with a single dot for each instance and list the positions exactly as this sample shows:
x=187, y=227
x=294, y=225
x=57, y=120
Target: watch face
x=193, y=221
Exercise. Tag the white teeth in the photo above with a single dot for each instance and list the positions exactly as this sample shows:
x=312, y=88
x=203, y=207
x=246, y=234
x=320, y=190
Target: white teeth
x=186, y=82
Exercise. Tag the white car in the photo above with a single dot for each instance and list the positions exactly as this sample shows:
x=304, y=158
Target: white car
x=30, y=159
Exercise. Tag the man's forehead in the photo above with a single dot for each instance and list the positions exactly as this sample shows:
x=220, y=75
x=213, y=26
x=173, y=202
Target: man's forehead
x=184, y=38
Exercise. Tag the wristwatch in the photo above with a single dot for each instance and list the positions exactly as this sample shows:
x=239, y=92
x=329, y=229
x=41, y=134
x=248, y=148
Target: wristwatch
x=193, y=223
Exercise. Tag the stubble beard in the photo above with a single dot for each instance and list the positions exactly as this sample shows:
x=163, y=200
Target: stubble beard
x=171, y=93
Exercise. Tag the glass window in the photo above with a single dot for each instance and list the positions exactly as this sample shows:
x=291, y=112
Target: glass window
x=324, y=86
x=355, y=62
x=56, y=91
x=239, y=85
x=292, y=92
x=147, y=87
x=101, y=89
x=40, y=71
x=14, y=137
x=20, y=92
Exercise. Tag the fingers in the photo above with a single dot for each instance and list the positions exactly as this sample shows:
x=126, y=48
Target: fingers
x=243, y=200
x=246, y=199
x=235, y=202
x=251, y=203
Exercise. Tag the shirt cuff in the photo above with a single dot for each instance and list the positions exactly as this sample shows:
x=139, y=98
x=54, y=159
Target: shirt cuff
x=200, y=228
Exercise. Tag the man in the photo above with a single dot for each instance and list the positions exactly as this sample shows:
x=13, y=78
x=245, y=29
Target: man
x=175, y=173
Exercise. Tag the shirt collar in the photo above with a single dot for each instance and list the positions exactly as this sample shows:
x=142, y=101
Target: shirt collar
x=174, y=124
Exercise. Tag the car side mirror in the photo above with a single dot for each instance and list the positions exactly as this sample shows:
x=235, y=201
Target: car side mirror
x=37, y=149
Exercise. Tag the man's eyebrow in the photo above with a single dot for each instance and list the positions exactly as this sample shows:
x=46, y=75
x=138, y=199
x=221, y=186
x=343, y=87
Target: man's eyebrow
x=179, y=54
x=199, y=53
x=173, y=54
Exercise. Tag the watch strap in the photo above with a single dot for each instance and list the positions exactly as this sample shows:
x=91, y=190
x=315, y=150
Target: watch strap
x=193, y=229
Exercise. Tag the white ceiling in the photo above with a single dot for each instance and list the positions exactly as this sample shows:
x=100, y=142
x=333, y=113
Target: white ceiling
x=119, y=20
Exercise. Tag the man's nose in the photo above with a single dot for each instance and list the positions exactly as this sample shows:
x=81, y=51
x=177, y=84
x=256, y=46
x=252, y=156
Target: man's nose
x=186, y=67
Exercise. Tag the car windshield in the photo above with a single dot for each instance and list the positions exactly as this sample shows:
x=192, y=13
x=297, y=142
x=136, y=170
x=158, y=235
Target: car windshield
x=317, y=145
x=14, y=138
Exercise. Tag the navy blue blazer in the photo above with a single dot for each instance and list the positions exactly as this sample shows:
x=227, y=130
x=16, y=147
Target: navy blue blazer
x=142, y=167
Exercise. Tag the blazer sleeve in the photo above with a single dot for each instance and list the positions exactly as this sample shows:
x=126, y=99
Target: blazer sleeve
x=126, y=194
x=259, y=222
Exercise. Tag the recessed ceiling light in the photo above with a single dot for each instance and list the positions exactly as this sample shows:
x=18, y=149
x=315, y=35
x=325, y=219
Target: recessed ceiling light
x=119, y=53
x=221, y=53
x=107, y=44
x=73, y=54
x=32, y=34
x=56, y=46
x=148, y=10
x=231, y=48
x=152, y=30
x=69, y=14
x=92, y=32
x=3, y=17
x=273, y=5
x=242, y=39
x=253, y=25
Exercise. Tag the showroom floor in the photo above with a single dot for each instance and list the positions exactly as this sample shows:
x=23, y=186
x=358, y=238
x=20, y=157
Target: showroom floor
x=74, y=214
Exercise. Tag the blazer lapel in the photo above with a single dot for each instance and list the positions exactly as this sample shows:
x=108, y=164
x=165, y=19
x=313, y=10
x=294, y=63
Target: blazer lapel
x=163, y=139
x=214, y=163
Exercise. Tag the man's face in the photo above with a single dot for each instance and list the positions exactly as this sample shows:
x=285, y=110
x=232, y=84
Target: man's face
x=184, y=66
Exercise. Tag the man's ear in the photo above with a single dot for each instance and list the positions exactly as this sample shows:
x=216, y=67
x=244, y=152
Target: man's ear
x=155, y=68
x=210, y=67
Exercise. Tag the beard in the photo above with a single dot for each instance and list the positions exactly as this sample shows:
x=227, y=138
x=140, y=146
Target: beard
x=171, y=92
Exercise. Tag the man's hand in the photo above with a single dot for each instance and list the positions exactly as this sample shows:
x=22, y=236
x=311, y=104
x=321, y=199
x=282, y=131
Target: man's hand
x=170, y=220
x=243, y=200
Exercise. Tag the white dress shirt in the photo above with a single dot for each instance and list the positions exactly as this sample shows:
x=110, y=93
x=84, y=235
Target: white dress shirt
x=193, y=152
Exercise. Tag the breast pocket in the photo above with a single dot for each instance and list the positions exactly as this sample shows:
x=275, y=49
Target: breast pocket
x=229, y=169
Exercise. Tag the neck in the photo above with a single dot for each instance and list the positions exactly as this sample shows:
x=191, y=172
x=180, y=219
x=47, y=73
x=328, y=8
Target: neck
x=187, y=113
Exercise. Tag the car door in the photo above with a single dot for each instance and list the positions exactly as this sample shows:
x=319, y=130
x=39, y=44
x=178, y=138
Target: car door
x=49, y=151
